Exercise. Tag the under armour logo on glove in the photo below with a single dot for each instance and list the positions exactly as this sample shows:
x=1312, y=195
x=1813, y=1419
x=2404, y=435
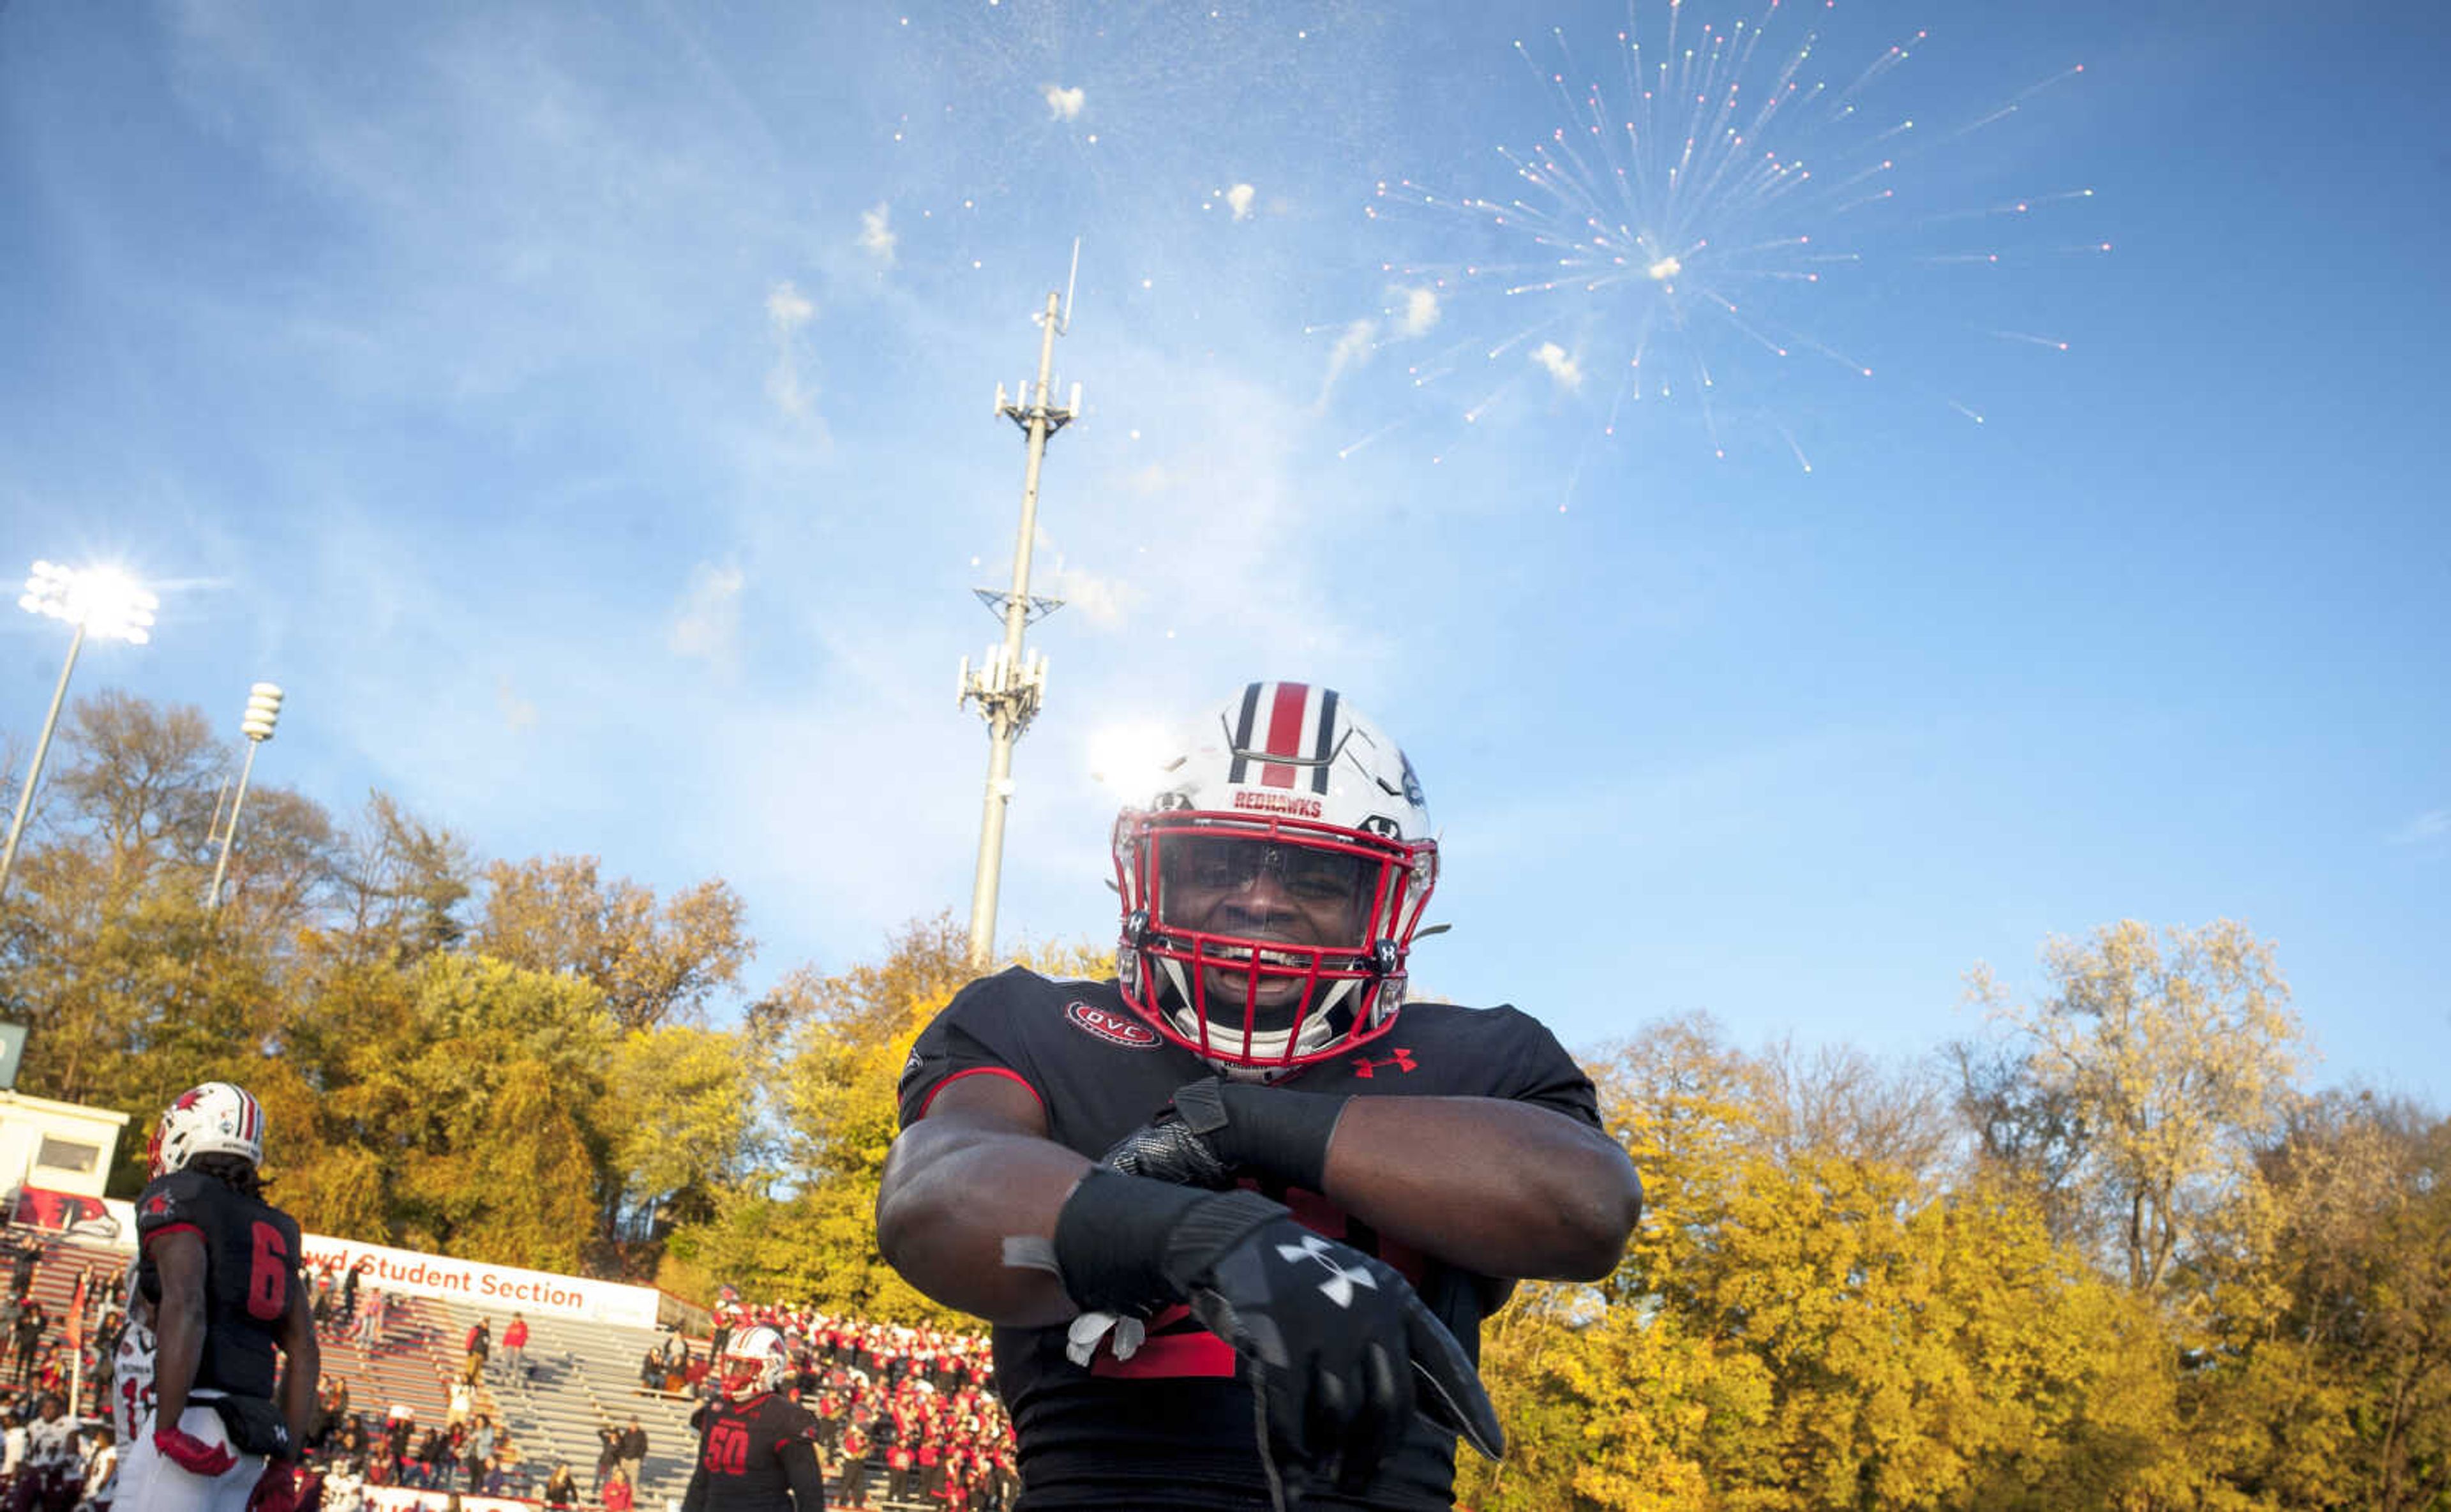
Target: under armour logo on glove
x=1337, y=1368
x=1341, y=1280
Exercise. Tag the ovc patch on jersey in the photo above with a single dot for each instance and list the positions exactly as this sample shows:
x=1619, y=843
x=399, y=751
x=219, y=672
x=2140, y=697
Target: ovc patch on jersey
x=1115, y=1028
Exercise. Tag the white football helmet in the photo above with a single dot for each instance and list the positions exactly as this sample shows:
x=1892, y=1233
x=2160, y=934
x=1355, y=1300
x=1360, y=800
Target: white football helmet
x=1272, y=883
x=753, y=1362
x=214, y=1119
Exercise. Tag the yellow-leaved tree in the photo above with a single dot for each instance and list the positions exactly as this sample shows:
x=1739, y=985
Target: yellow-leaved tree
x=808, y=1232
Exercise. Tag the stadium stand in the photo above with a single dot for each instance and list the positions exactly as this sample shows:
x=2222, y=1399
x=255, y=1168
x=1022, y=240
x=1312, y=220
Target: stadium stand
x=583, y=1377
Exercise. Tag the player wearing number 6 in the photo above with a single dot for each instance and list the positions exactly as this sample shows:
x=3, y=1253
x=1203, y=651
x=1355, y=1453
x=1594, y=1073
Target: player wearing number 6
x=219, y=1265
x=757, y=1449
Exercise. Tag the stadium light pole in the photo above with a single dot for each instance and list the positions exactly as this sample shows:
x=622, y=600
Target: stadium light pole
x=262, y=713
x=100, y=601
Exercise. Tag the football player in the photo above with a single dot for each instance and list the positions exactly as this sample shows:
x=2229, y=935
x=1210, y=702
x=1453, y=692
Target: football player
x=50, y=1476
x=131, y=1375
x=757, y=1448
x=219, y=1266
x=1231, y=1190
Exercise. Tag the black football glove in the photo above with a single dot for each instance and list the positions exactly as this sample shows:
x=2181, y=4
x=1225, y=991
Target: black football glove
x=1177, y=1145
x=1338, y=1349
x=1214, y=1130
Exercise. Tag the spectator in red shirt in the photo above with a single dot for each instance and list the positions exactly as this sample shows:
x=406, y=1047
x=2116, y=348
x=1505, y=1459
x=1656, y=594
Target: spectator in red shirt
x=515, y=1347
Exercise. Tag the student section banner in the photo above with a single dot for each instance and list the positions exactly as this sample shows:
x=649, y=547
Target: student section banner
x=504, y=1289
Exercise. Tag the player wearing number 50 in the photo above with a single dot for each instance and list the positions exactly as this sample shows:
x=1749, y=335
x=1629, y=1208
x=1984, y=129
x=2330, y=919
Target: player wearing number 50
x=220, y=1267
x=757, y=1449
x=1236, y=1223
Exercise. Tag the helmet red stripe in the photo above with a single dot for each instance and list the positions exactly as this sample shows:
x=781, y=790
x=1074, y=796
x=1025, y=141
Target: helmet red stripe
x=1326, y=976
x=1284, y=732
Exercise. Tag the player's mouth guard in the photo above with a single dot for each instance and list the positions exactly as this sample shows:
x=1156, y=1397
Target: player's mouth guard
x=1030, y=1252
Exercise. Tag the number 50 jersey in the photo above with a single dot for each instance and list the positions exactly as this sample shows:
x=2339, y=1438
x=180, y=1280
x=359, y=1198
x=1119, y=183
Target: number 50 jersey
x=755, y=1456
x=251, y=1266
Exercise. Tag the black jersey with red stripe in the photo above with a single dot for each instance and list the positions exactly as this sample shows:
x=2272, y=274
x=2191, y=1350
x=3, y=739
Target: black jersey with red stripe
x=747, y=1453
x=1170, y=1426
x=251, y=1266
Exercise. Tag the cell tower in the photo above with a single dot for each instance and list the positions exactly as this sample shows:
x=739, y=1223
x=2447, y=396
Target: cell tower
x=1006, y=685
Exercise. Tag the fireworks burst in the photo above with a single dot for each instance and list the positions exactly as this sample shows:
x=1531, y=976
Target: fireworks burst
x=1676, y=236
x=1139, y=121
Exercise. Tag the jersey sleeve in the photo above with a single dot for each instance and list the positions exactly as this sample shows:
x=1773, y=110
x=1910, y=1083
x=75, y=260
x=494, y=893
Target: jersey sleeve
x=976, y=1034
x=798, y=1425
x=1529, y=1066
x=805, y=1476
x=169, y=1205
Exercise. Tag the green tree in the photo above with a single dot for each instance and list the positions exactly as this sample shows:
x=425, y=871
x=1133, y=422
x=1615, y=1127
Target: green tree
x=813, y=1236
x=682, y=1101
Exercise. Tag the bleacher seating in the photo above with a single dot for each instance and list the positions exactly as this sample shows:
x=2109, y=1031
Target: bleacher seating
x=583, y=1377
x=409, y=1366
x=54, y=1286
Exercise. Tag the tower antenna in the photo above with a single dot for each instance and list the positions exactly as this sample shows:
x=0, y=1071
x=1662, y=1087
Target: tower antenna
x=1006, y=685
x=1072, y=281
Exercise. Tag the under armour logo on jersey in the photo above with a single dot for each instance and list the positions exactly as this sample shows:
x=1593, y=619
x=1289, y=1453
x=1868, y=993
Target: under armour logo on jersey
x=1341, y=1281
x=1365, y=1069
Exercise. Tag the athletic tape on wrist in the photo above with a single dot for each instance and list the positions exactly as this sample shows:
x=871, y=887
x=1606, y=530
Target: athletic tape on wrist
x=1275, y=1130
x=1110, y=1240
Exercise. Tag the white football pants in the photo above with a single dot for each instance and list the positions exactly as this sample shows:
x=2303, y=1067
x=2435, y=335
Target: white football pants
x=148, y=1482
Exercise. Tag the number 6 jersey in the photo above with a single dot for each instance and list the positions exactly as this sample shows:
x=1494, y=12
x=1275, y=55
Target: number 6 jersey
x=250, y=1264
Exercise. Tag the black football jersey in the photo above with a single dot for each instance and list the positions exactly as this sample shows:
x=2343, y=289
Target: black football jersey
x=1171, y=1426
x=251, y=1266
x=742, y=1456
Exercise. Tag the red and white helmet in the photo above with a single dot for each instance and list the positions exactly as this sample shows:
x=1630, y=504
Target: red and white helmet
x=1272, y=883
x=214, y=1119
x=753, y=1362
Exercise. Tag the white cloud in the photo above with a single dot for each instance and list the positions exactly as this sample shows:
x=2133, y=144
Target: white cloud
x=1416, y=309
x=2427, y=828
x=1353, y=347
x=517, y=713
x=787, y=310
x=1103, y=602
x=1063, y=104
x=876, y=237
x=706, y=623
x=1560, y=365
x=1239, y=199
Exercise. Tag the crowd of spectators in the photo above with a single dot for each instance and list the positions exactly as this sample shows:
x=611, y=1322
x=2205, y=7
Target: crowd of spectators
x=917, y=1404
x=467, y=1452
x=49, y=1454
x=907, y=1416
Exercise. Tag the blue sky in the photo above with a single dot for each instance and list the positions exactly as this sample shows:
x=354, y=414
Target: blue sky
x=585, y=416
